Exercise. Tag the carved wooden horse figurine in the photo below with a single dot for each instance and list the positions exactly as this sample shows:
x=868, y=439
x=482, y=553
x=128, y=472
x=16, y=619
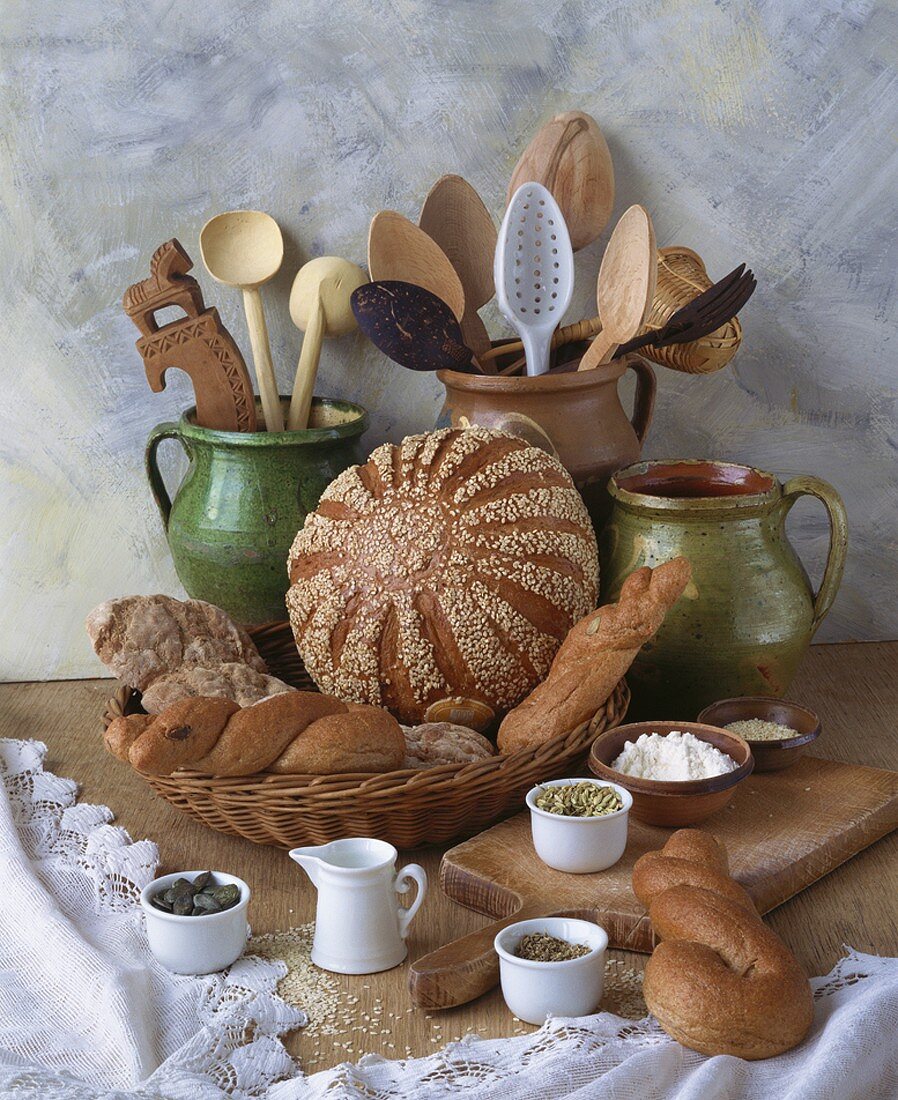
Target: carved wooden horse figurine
x=198, y=344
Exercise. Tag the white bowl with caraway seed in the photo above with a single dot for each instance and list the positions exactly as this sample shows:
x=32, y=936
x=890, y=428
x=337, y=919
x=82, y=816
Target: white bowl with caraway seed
x=579, y=845
x=571, y=987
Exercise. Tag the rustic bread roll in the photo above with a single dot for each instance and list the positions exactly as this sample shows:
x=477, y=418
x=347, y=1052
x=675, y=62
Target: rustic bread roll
x=594, y=656
x=451, y=565
x=434, y=743
x=231, y=680
x=297, y=732
x=720, y=981
x=140, y=638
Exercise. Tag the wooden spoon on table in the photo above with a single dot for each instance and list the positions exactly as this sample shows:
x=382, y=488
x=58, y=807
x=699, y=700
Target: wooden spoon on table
x=570, y=157
x=244, y=248
x=626, y=285
x=400, y=251
x=319, y=306
x=453, y=215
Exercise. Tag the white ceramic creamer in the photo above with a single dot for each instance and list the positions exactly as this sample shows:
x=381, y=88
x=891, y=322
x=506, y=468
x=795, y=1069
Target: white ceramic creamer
x=360, y=928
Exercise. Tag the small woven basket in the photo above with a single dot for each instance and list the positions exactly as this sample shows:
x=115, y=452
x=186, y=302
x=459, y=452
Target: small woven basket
x=406, y=808
x=681, y=277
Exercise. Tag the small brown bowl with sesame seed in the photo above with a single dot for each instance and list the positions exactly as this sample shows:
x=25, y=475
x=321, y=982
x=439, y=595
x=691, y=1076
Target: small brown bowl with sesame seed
x=766, y=723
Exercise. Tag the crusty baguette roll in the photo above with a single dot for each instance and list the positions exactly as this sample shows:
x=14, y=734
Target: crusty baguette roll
x=720, y=981
x=450, y=565
x=594, y=656
x=294, y=733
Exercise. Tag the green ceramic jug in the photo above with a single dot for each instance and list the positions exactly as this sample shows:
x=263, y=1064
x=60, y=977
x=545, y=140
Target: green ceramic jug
x=749, y=613
x=244, y=497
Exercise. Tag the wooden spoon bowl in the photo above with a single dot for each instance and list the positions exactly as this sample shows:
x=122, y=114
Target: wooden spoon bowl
x=570, y=156
x=453, y=215
x=626, y=284
x=400, y=251
x=320, y=306
x=245, y=248
x=242, y=248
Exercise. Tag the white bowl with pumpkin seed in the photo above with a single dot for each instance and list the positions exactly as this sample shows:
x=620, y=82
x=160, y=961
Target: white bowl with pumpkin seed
x=579, y=825
x=195, y=925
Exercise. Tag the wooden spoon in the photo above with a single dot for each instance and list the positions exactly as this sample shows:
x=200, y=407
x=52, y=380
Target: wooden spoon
x=400, y=251
x=570, y=157
x=626, y=285
x=244, y=248
x=453, y=215
x=319, y=306
x=412, y=326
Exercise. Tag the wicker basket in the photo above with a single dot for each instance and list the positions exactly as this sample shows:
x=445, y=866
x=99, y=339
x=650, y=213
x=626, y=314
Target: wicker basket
x=406, y=808
x=681, y=276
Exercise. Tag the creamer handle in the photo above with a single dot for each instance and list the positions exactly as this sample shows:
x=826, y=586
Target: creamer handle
x=415, y=873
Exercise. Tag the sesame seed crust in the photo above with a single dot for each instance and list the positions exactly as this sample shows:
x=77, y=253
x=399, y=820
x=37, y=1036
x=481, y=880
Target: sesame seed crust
x=451, y=564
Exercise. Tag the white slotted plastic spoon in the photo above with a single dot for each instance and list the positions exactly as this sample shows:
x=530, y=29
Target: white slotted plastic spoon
x=534, y=270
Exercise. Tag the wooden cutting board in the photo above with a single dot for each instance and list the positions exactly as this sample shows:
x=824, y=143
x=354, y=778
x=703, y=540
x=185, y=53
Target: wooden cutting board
x=783, y=831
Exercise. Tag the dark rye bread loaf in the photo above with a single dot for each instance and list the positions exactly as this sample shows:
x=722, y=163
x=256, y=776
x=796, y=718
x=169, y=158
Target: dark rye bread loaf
x=450, y=565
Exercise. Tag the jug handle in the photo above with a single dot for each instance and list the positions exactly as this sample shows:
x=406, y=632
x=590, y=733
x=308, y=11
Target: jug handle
x=413, y=872
x=644, y=399
x=806, y=485
x=168, y=429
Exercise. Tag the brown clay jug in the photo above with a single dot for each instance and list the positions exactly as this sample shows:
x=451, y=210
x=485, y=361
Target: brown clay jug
x=578, y=416
x=748, y=615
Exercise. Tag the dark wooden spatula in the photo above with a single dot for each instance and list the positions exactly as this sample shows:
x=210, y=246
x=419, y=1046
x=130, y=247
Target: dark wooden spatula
x=412, y=326
x=711, y=309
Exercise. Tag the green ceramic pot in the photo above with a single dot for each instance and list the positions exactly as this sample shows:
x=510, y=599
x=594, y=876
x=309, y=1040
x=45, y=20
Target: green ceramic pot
x=749, y=613
x=244, y=497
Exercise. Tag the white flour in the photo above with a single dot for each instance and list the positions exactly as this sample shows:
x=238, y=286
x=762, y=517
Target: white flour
x=673, y=757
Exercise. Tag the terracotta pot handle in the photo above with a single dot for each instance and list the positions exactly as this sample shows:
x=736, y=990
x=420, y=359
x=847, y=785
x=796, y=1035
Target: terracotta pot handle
x=166, y=430
x=838, y=537
x=644, y=401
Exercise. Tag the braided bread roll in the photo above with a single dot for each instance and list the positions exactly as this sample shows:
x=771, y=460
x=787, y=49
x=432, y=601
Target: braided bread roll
x=295, y=733
x=594, y=656
x=720, y=981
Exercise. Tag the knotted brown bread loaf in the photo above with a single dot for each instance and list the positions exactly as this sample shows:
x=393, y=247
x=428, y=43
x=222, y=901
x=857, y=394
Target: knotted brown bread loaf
x=720, y=981
x=294, y=733
x=450, y=565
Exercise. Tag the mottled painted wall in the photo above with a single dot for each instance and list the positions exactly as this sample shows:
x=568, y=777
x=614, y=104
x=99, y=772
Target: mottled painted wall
x=753, y=131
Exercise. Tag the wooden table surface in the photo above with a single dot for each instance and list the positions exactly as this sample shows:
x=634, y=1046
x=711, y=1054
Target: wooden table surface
x=852, y=687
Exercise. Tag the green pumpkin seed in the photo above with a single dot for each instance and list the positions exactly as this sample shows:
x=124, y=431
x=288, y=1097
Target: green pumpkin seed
x=207, y=904
x=202, y=881
x=226, y=896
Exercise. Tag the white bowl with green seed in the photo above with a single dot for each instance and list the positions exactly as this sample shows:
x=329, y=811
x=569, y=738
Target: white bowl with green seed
x=206, y=938
x=579, y=825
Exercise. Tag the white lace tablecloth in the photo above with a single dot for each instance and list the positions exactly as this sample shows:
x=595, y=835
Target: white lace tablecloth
x=86, y=1013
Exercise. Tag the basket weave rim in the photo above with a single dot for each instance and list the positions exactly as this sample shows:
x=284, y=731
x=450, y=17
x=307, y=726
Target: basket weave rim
x=382, y=784
x=375, y=785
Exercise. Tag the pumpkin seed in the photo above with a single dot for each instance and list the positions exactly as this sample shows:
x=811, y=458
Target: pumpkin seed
x=226, y=896
x=206, y=904
x=198, y=898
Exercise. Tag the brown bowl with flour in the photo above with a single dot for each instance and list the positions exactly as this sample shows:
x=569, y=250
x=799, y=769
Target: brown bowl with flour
x=665, y=802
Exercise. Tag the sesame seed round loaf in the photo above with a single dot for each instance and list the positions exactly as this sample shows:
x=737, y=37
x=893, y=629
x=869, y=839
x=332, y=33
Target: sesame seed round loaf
x=452, y=564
